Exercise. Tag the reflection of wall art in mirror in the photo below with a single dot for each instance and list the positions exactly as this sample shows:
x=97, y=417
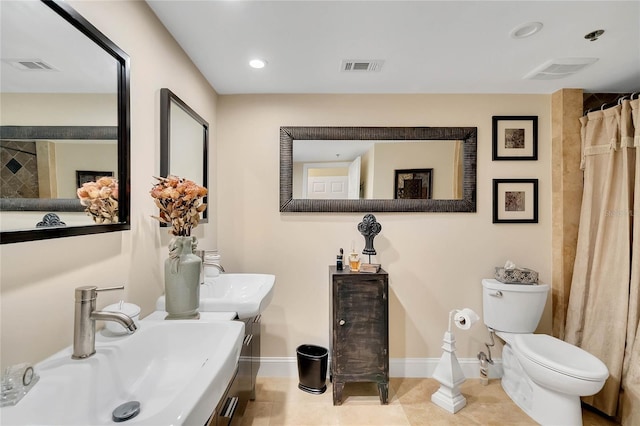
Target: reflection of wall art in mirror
x=184, y=142
x=375, y=185
x=84, y=176
x=95, y=75
x=413, y=183
x=515, y=201
x=515, y=138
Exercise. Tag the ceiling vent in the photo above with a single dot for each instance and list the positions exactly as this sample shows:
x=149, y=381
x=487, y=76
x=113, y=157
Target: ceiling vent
x=30, y=64
x=361, y=65
x=559, y=68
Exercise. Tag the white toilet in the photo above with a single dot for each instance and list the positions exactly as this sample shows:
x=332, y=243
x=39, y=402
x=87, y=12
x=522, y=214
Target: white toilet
x=543, y=375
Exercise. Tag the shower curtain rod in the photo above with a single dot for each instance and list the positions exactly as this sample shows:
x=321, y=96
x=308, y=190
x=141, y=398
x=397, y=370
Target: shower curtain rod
x=618, y=101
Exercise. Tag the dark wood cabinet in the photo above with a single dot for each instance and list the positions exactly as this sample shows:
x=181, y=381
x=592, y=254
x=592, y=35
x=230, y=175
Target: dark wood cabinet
x=359, y=330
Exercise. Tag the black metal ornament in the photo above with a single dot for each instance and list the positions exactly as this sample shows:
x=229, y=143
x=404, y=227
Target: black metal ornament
x=49, y=220
x=369, y=228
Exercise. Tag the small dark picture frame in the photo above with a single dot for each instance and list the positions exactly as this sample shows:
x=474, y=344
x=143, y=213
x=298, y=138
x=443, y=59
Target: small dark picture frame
x=515, y=201
x=413, y=184
x=84, y=176
x=515, y=138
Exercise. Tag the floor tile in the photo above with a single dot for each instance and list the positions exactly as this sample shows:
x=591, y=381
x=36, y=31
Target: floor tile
x=279, y=402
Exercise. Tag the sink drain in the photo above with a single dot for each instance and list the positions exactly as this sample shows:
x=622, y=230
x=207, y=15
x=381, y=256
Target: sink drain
x=126, y=411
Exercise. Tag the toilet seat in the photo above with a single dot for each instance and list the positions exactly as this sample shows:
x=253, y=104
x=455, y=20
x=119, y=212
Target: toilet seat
x=560, y=356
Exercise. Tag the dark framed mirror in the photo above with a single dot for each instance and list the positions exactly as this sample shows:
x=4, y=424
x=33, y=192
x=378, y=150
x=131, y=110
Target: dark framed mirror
x=361, y=165
x=71, y=84
x=184, y=142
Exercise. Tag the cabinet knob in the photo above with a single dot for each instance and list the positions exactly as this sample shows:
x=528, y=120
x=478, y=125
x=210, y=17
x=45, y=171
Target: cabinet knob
x=341, y=322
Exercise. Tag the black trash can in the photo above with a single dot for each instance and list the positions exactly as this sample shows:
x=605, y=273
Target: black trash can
x=312, y=368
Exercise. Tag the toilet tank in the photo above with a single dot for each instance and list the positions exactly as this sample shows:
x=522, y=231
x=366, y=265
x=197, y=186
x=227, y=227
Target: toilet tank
x=514, y=308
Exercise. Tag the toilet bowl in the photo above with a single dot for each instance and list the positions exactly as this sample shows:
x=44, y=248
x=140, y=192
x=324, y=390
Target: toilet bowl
x=543, y=375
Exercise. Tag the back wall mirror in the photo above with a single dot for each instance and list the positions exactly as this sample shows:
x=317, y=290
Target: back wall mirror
x=378, y=169
x=184, y=140
x=64, y=96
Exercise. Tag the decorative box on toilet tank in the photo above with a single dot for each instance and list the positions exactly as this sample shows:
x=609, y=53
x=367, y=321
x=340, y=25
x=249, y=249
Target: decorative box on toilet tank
x=359, y=341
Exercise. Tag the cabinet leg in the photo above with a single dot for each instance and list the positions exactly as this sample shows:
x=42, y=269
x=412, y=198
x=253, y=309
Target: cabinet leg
x=383, y=389
x=337, y=392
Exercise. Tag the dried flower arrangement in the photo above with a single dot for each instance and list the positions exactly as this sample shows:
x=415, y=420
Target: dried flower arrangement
x=180, y=203
x=100, y=199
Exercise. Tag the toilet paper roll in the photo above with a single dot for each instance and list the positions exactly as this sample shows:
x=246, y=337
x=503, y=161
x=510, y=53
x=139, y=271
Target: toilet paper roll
x=465, y=318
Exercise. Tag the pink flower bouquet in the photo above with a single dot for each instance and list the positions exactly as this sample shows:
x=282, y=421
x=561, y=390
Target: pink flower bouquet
x=180, y=203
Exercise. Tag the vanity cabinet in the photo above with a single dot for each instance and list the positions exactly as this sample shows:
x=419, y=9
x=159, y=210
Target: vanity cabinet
x=359, y=342
x=250, y=355
x=226, y=412
x=233, y=404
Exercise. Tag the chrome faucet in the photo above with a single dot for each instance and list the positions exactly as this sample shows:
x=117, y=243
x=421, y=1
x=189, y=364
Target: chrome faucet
x=216, y=265
x=84, y=326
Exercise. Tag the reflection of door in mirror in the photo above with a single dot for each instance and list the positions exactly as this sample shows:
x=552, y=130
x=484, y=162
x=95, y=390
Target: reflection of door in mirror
x=321, y=181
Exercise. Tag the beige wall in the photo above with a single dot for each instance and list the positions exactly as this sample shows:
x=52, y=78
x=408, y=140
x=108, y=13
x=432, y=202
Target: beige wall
x=435, y=260
x=38, y=278
x=56, y=109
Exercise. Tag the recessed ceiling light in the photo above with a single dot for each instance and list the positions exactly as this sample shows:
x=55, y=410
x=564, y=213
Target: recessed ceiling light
x=526, y=30
x=257, y=63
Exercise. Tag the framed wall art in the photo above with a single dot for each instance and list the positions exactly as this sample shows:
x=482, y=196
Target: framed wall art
x=515, y=201
x=413, y=184
x=515, y=138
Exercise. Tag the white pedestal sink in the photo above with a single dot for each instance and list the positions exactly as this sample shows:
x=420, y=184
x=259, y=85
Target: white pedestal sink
x=245, y=294
x=177, y=370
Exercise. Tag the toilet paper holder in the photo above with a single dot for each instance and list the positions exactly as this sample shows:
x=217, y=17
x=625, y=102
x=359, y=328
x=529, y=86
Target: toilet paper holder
x=448, y=371
x=464, y=319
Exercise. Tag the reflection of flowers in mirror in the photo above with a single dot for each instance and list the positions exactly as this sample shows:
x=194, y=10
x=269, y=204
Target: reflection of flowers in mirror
x=100, y=199
x=180, y=203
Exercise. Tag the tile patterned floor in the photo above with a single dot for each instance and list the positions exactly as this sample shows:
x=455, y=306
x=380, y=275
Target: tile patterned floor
x=279, y=402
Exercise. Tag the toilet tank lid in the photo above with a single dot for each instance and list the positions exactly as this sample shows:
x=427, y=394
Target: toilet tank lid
x=561, y=356
x=493, y=284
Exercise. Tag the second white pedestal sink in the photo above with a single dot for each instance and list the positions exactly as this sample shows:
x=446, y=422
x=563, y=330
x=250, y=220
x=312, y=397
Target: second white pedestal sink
x=245, y=294
x=177, y=370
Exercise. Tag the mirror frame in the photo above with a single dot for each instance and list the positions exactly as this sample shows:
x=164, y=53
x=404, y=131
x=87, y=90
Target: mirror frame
x=166, y=97
x=468, y=135
x=122, y=132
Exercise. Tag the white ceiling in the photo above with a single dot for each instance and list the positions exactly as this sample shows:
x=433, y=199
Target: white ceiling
x=31, y=31
x=427, y=46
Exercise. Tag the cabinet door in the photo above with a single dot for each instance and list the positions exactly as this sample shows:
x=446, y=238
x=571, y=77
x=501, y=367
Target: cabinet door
x=360, y=332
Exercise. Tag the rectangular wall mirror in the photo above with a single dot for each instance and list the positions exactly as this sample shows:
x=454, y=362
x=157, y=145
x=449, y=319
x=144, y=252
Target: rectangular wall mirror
x=378, y=169
x=64, y=93
x=184, y=142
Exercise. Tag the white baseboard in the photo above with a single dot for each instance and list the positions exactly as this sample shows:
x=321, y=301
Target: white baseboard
x=398, y=367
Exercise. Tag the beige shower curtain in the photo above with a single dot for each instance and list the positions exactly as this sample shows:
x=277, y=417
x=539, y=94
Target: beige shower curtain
x=602, y=315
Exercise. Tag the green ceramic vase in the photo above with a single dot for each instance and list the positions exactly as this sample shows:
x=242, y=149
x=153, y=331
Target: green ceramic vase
x=182, y=280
